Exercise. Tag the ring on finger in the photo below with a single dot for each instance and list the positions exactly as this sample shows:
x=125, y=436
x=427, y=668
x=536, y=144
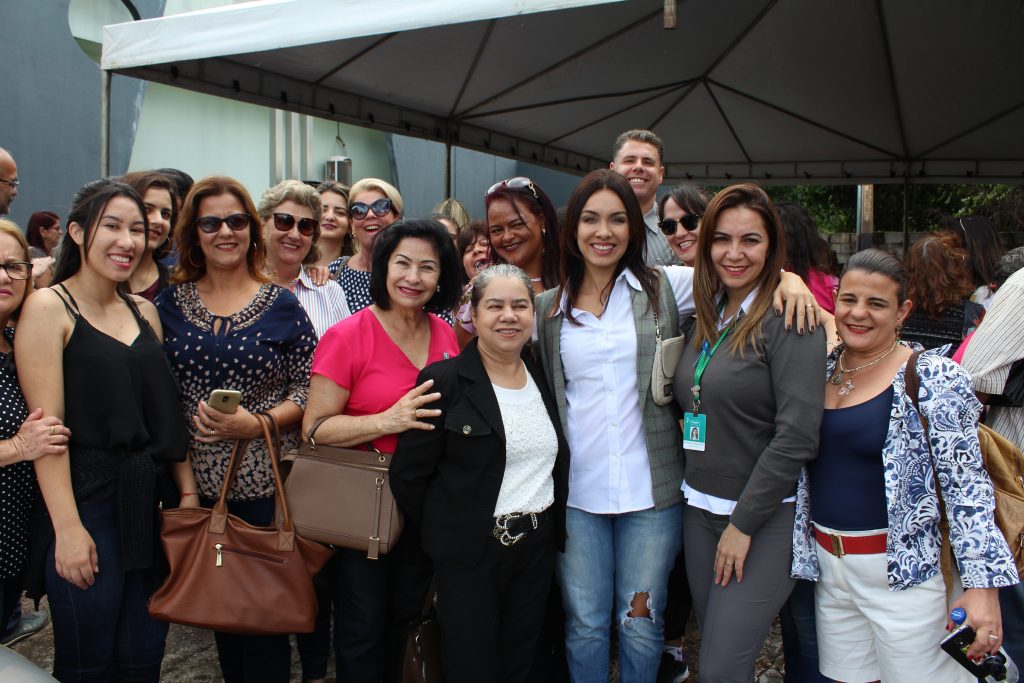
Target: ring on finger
x=993, y=636
x=52, y=433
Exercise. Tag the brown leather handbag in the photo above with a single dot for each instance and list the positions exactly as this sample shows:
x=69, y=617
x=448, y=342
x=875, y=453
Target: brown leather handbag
x=342, y=497
x=228, y=575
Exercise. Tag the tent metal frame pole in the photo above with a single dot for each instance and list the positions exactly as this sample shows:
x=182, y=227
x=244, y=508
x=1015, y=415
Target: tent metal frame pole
x=447, y=168
x=105, y=78
x=906, y=216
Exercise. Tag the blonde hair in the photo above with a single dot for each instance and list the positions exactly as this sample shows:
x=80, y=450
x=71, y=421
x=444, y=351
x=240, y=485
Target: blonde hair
x=8, y=227
x=302, y=194
x=384, y=187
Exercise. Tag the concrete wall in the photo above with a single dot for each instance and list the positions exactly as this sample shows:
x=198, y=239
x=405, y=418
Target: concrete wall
x=845, y=243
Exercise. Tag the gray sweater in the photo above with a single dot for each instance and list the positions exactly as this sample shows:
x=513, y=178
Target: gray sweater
x=763, y=417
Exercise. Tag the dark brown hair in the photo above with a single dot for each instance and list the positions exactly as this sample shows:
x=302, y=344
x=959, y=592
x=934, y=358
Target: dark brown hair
x=143, y=182
x=573, y=265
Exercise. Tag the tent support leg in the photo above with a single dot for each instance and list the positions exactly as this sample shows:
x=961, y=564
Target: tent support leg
x=105, y=77
x=447, y=169
x=906, y=216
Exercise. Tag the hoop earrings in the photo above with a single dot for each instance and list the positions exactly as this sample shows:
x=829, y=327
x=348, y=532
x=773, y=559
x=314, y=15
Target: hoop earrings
x=191, y=261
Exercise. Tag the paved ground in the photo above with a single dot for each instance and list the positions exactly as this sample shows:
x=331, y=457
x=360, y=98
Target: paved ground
x=192, y=658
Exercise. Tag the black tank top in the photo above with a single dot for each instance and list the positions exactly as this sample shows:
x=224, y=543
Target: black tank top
x=121, y=405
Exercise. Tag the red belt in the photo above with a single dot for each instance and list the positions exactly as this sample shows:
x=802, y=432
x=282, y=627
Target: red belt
x=840, y=545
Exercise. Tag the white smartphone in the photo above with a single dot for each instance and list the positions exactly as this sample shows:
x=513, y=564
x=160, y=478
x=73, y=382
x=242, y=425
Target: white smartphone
x=224, y=400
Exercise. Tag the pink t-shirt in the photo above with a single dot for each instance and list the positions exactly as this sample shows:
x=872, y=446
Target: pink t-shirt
x=358, y=355
x=823, y=286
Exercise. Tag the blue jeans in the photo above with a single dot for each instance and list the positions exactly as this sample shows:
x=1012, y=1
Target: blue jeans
x=608, y=560
x=250, y=658
x=800, y=636
x=104, y=633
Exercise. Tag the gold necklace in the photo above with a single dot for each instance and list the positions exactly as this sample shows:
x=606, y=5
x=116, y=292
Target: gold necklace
x=838, y=376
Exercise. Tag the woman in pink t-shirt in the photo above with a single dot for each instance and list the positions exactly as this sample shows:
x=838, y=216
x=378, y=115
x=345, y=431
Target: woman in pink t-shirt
x=364, y=384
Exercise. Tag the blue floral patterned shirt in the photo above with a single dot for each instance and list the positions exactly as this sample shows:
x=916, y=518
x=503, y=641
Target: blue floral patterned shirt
x=912, y=549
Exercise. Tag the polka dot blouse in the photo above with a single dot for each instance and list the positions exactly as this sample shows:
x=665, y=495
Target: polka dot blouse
x=17, y=481
x=264, y=351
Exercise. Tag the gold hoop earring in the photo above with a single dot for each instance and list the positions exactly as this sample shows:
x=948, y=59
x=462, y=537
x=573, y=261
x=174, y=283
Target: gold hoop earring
x=191, y=261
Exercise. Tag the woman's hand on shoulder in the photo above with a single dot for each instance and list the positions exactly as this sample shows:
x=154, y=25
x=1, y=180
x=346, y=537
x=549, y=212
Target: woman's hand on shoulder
x=982, y=607
x=793, y=300
x=213, y=426
x=39, y=436
x=75, y=557
x=410, y=410
x=319, y=275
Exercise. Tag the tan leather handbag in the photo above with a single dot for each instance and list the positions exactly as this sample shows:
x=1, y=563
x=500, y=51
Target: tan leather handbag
x=228, y=575
x=341, y=496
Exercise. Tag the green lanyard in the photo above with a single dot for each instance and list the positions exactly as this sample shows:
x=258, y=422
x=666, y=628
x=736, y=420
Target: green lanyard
x=704, y=359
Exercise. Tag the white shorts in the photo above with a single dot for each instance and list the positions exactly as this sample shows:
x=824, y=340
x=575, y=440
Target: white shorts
x=867, y=632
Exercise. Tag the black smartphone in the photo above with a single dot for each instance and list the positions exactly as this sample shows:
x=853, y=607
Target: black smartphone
x=956, y=645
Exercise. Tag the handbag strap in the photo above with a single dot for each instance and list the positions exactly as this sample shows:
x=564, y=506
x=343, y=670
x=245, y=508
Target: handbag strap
x=912, y=383
x=285, y=529
x=316, y=426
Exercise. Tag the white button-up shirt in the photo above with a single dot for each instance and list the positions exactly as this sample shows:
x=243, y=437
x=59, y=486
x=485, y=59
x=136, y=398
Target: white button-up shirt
x=609, y=471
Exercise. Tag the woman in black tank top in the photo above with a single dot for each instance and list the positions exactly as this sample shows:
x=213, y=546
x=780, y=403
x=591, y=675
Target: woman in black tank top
x=92, y=354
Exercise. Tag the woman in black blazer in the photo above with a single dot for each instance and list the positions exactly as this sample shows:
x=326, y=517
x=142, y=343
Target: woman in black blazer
x=487, y=488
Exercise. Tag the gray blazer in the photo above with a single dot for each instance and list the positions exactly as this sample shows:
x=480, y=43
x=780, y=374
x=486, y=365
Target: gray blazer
x=661, y=423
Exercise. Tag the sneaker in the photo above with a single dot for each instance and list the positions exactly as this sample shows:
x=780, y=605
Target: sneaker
x=672, y=670
x=30, y=624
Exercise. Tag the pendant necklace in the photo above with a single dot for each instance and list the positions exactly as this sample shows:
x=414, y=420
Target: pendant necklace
x=838, y=376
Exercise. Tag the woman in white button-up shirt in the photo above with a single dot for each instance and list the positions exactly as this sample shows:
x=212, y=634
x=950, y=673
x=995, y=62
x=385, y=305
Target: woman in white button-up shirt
x=596, y=335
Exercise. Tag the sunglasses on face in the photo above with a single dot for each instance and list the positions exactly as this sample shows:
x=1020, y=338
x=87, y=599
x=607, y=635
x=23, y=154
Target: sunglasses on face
x=236, y=221
x=360, y=210
x=285, y=222
x=690, y=221
x=517, y=183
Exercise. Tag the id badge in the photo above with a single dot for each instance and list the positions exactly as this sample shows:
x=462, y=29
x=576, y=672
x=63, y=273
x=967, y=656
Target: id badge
x=694, y=431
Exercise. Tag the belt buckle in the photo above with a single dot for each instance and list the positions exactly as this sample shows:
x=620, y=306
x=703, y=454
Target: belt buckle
x=501, y=529
x=837, y=545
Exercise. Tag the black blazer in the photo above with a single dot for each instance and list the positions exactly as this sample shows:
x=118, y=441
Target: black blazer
x=447, y=480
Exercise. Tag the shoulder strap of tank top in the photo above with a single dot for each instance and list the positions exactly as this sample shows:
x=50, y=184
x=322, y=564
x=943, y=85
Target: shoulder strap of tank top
x=139, y=318
x=73, y=312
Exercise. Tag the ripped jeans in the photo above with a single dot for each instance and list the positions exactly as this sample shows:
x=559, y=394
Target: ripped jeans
x=617, y=564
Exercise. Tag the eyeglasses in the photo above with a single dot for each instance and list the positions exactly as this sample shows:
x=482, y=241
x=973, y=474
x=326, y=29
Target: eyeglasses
x=517, y=183
x=359, y=210
x=236, y=221
x=285, y=222
x=17, y=270
x=690, y=221
x=13, y=183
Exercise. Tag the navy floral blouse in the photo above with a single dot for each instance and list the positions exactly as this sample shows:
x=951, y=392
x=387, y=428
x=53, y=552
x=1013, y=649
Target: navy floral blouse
x=264, y=351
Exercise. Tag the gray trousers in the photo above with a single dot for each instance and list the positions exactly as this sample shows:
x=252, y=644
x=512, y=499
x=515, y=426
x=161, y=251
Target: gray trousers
x=735, y=620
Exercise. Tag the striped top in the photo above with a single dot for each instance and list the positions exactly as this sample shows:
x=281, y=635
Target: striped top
x=325, y=305
x=996, y=344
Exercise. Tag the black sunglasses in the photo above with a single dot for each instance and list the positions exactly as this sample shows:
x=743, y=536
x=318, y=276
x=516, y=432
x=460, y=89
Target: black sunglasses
x=236, y=221
x=285, y=222
x=690, y=221
x=517, y=183
x=360, y=210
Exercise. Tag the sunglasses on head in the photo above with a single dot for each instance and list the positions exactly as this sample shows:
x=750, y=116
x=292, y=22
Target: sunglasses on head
x=517, y=183
x=236, y=221
x=690, y=221
x=285, y=222
x=360, y=210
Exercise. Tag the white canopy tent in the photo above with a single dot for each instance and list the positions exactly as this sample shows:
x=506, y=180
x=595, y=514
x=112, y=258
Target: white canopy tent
x=796, y=91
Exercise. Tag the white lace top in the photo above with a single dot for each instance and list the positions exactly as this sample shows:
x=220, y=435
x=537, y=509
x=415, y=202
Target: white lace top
x=530, y=450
